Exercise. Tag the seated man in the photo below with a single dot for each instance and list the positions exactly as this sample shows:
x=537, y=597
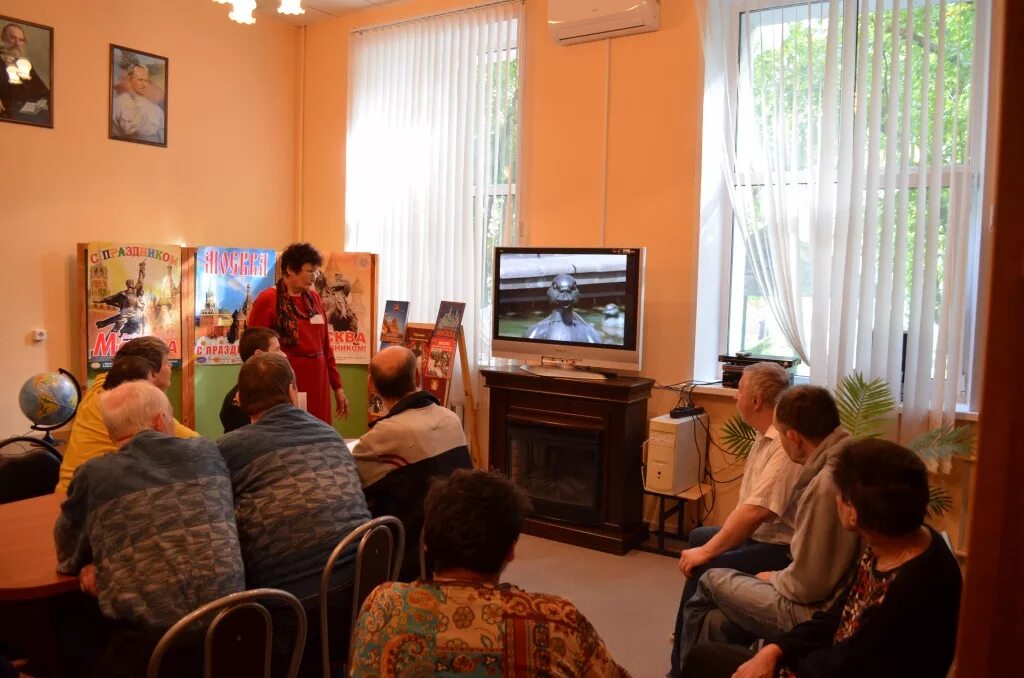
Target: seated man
x=463, y=620
x=755, y=536
x=297, y=493
x=737, y=607
x=89, y=437
x=899, y=615
x=150, y=529
x=416, y=440
x=254, y=341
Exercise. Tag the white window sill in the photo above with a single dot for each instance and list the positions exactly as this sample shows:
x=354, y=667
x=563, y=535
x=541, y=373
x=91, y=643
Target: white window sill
x=963, y=413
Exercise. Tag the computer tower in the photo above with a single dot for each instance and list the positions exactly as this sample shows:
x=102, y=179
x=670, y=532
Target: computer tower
x=675, y=452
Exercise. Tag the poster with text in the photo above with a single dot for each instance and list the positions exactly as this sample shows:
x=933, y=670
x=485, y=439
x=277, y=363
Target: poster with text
x=345, y=288
x=131, y=291
x=228, y=279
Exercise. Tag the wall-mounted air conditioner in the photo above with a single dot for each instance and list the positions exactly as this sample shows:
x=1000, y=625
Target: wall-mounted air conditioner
x=573, y=21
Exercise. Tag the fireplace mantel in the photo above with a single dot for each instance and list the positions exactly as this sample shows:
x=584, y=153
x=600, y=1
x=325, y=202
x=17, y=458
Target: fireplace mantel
x=544, y=416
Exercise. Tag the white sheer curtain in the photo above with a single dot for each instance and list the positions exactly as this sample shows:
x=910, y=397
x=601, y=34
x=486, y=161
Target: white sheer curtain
x=849, y=172
x=431, y=157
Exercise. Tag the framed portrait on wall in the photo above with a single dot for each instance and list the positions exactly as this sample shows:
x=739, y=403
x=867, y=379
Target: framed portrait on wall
x=138, y=96
x=26, y=72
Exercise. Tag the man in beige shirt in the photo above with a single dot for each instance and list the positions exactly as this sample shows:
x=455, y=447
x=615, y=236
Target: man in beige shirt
x=755, y=536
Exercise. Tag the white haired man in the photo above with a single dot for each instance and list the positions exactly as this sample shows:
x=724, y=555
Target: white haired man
x=755, y=536
x=150, y=529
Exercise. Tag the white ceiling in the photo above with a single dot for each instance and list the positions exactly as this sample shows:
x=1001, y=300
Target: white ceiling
x=316, y=10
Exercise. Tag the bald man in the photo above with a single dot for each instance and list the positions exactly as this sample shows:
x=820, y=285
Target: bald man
x=415, y=441
x=149, y=529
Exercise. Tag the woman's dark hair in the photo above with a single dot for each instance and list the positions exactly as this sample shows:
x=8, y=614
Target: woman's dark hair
x=886, y=483
x=297, y=255
x=472, y=520
x=128, y=368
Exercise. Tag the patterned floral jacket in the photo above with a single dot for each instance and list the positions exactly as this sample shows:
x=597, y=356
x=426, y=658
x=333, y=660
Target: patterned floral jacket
x=429, y=628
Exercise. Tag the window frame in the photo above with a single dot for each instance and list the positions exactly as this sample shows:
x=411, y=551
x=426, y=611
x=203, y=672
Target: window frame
x=510, y=234
x=725, y=247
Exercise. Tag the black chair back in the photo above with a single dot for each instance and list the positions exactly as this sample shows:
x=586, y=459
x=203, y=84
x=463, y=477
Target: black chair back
x=29, y=467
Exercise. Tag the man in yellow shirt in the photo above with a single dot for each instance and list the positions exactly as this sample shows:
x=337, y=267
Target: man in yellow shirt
x=89, y=437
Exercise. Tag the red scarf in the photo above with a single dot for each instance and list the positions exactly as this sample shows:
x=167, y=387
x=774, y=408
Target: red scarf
x=288, y=314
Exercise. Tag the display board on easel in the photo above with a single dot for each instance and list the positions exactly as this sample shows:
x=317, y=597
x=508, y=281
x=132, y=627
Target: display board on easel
x=129, y=290
x=348, y=294
x=226, y=282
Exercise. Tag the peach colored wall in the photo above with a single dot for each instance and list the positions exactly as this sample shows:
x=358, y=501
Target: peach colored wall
x=654, y=88
x=227, y=176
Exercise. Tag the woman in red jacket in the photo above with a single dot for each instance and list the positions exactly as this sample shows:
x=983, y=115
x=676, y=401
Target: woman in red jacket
x=294, y=311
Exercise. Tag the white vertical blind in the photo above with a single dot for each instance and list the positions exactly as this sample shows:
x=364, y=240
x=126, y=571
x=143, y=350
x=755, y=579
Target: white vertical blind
x=431, y=157
x=850, y=175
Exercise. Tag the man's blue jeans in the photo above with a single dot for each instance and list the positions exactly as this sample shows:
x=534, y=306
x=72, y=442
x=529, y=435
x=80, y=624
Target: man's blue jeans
x=750, y=557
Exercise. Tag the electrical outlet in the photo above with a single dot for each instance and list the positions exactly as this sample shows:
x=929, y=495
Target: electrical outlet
x=38, y=335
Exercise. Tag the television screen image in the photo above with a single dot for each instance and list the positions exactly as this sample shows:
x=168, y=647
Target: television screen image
x=564, y=298
x=566, y=312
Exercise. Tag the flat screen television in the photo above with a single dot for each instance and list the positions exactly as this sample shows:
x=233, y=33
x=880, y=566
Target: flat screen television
x=563, y=310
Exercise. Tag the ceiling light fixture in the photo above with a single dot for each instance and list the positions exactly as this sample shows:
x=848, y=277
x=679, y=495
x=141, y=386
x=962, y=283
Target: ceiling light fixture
x=242, y=12
x=291, y=7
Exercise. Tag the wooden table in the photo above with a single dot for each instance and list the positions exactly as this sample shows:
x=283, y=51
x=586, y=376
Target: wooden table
x=28, y=558
x=31, y=590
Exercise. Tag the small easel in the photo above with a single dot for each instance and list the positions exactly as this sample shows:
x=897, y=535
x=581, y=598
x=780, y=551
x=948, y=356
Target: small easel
x=467, y=386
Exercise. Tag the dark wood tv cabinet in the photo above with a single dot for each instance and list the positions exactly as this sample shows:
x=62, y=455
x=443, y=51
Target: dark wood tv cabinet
x=575, y=446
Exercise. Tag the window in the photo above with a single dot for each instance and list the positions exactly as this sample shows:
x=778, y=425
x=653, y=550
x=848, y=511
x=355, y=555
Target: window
x=432, y=157
x=849, y=168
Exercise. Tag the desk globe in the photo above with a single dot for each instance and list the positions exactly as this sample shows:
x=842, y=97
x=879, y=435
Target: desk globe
x=50, y=400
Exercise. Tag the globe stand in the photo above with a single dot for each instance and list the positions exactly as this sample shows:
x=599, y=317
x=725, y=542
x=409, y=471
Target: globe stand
x=47, y=428
x=48, y=437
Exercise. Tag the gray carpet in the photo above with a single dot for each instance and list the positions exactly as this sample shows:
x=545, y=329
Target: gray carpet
x=631, y=600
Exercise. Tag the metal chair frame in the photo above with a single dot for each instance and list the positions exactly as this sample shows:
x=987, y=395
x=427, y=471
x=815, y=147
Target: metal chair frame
x=423, y=556
x=40, y=447
x=32, y=439
x=363, y=533
x=224, y=607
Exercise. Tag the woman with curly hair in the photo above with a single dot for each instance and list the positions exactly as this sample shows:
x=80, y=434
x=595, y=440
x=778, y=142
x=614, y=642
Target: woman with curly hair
x=293, y=310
